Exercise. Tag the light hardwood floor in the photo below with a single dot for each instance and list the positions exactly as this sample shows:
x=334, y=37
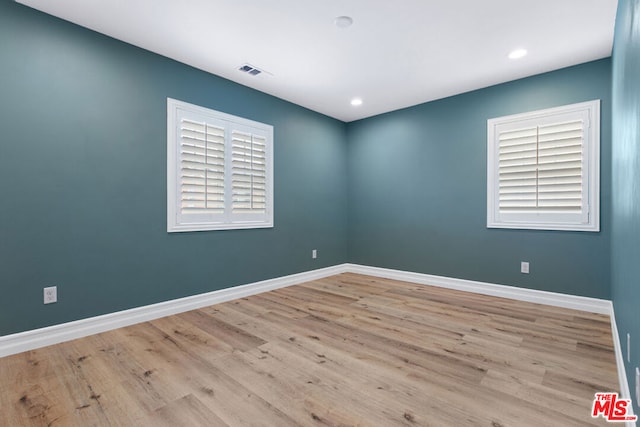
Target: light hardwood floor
x=349, y=350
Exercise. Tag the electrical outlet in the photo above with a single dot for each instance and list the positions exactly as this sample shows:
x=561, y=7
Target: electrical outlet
x=628, y=347
x=50, y=294
x=524, y=267
x=314, y=254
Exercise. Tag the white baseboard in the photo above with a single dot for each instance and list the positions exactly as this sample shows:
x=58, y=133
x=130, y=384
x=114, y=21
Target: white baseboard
x=592, y=305
x=29, y=340
x=622, y=373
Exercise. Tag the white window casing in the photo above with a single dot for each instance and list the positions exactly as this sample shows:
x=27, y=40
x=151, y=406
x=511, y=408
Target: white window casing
x=219, y=170
x=543, y=169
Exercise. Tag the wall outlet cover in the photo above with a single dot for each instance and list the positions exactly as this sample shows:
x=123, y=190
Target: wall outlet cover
x=50, y=294
x=524, y=267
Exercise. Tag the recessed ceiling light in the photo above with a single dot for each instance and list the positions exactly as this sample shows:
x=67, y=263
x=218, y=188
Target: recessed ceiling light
x=343, y=21
x=517, y=54
x=356, y=102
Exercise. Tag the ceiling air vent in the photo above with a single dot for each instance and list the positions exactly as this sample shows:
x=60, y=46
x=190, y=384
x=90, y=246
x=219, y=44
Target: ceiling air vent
x=250, y=69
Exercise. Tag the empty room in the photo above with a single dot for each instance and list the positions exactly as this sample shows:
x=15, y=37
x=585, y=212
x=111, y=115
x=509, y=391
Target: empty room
x=337, y=213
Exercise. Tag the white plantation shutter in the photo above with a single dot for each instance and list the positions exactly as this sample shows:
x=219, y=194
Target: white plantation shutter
x=517, y=170
x=201, y=168
x=540, y=168
x=560, y=167
x=543, y=169
x=249, y=173
x=219, y=170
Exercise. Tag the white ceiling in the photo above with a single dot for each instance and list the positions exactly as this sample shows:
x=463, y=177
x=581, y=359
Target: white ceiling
x=396, y=53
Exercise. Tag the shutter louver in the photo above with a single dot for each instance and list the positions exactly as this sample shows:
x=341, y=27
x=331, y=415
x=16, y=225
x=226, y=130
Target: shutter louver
x=249, y=173
x=202, y=168
x=541, y=170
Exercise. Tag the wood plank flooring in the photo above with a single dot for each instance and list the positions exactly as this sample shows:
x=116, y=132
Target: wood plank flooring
x=349, y=350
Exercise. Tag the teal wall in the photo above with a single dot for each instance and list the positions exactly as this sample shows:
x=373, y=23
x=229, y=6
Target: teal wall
x=418, y=192
x=625, y=240
x=83, y=178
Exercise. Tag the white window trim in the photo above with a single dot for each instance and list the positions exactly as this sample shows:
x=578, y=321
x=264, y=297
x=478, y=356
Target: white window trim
x=591, y=180
x=228, y=221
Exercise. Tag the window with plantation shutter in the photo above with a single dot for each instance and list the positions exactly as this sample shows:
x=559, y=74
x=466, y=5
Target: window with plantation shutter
x=219, y=170
x=543, y=169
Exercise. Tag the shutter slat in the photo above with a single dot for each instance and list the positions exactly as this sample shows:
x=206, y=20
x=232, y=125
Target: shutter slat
x=561, y=173
x=520, y=161
x=523, y=197
x=566, y=140
x=531, y=189
x=518, y=203
x=558, y=151
x=517, y=155
x=558, y=159
x=525, y=175
x=517, y=148
x=512, y=169
x=549, y=169
x=540, y=209
x=197, y=138
x=559, y=180
x=554, y=187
